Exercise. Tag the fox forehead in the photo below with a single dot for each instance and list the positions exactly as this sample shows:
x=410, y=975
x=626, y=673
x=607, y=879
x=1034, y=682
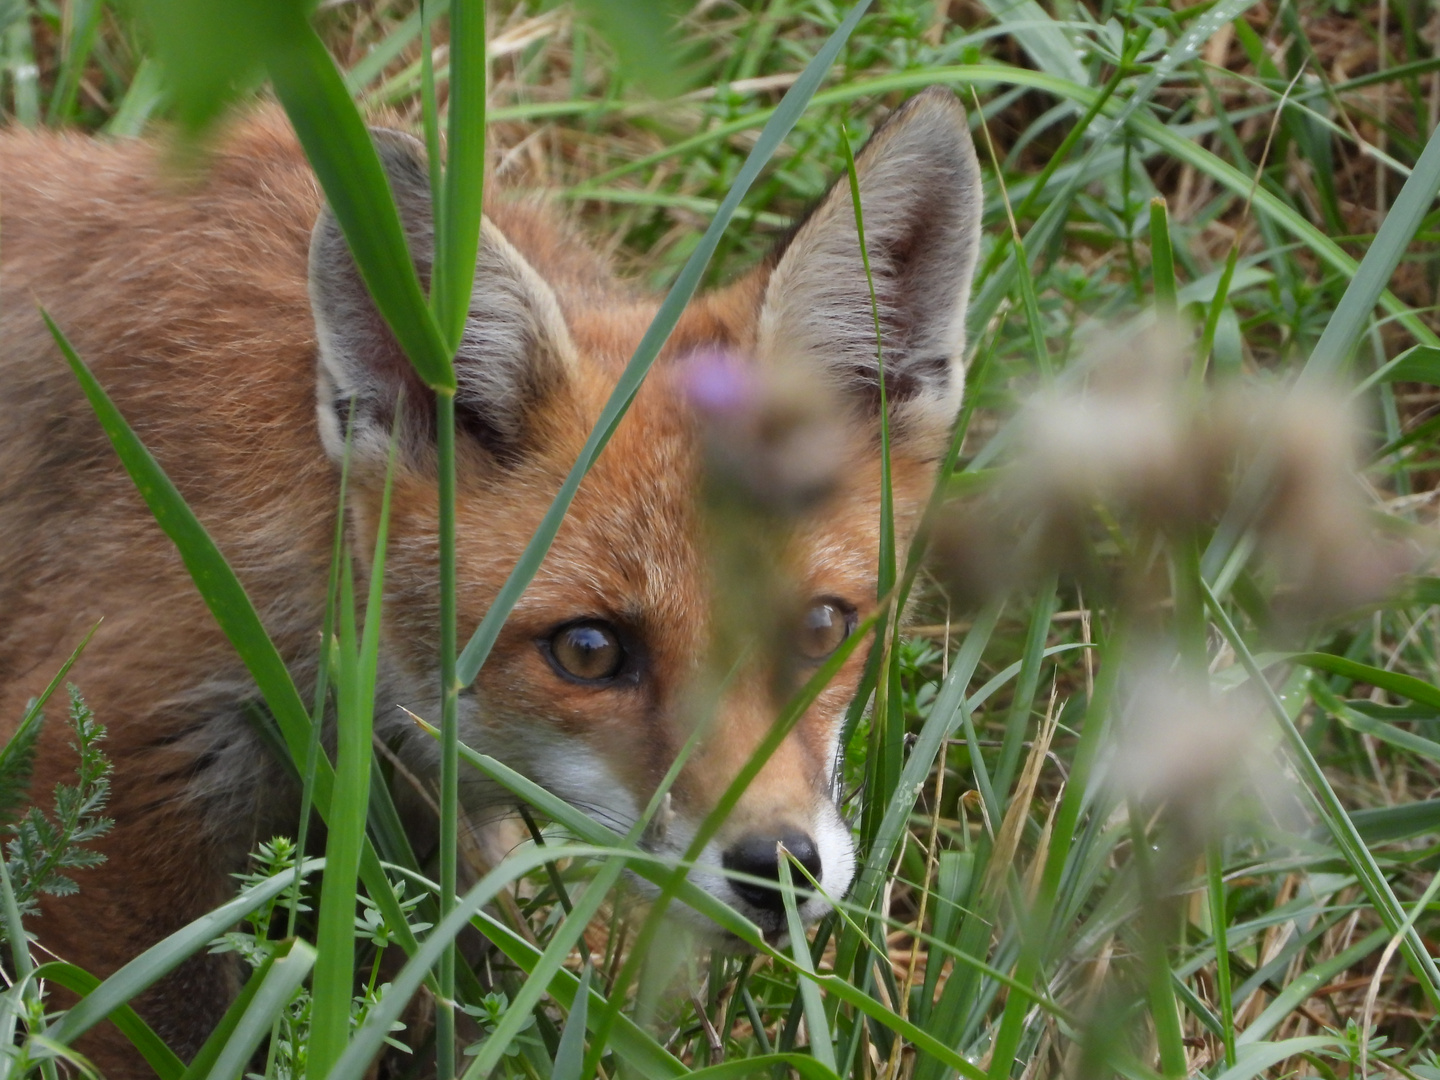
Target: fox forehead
x=633, y=546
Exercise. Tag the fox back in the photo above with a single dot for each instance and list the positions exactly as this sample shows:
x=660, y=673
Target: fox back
x=229, y=324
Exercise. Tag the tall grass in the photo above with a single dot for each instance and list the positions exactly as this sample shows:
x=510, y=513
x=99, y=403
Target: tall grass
x=1028, y=903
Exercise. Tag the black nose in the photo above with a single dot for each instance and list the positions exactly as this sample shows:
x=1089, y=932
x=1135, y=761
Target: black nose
x=758, y=856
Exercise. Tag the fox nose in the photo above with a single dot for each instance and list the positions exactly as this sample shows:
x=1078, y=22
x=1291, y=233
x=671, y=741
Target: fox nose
x=759, y=856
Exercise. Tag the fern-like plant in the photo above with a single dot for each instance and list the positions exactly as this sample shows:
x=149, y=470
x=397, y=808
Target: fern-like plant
x=45, y=848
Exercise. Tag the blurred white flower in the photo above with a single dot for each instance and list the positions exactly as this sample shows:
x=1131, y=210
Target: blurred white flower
x=1125, y=449
x=1206, y=758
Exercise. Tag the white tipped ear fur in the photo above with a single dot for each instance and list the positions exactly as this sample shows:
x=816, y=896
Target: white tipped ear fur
x=921, y=202
x=515, y=347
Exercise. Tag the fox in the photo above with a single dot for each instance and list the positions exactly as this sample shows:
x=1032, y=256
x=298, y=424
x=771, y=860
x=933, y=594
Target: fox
x=227, y=320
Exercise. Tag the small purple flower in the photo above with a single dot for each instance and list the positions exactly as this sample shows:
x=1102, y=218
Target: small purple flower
x=719, y=382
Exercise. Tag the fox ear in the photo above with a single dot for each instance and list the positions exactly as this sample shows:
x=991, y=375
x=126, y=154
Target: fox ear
x=921, y=202
x=515, y=348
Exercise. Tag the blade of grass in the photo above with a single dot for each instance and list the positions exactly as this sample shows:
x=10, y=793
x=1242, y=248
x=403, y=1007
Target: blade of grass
x=80, y=25
x=367, y=1041
x=457, y=247
x=1352, y=315
x=228, y=603
x=160, y=959
x=151, y=1047
x=1162, y=258
x=822, y=1043
x=144, y=96
x=358, y=661
x=570, y=1054
x=1327, y=804
x=274, y=992
x=348, y=167
x=1219, y=925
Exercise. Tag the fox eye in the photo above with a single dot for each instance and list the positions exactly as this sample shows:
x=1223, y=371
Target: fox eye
x=824, y=627
x=588, y=651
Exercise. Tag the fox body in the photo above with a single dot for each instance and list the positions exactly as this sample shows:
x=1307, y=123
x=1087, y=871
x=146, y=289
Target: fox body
x=229, y=324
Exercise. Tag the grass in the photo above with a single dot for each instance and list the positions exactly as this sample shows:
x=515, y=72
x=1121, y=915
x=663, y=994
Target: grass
x=1022, y=910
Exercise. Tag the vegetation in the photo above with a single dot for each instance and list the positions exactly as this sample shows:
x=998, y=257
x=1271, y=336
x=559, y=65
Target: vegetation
x=1148, y=787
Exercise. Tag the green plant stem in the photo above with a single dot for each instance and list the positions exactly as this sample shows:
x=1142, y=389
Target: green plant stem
x=1215, y=879
x=449, y=731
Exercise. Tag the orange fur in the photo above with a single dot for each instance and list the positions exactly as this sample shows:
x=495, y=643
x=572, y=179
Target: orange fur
x=189, y=301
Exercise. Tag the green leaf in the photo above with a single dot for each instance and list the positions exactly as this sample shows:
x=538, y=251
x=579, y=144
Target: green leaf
x=18, y=754
x=126, y=1020
x=1406, y=686
x=221, y=590
x=227, y=601
x=1328, y=806
x=457, y=242
x=627, y=1039
x=357, y=653
x=817, y=1025
x=160, y=959
x=1259, y=1057
x=1402, y=221
x=1419, y=363
x=338, y=146
x=274, y=987
x=1387, y=824
x=1297, y=990
x=211, y=51
x=570, y=1054
x=1355, y=720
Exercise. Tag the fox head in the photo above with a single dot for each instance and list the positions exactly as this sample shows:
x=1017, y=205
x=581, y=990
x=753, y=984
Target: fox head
x=607, y=664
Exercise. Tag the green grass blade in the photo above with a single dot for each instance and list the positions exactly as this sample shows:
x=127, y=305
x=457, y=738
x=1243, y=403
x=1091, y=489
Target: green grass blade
x=822, y=1043
x=338, y=146
x=663, y=875
x=82, y=19
x=459, y=241
x=776, y=129
x=1263, y=1055
x=801, y=1064
x=367, y=1041
x=1352, y=315
x=1327, y=804
x=535, y=986
x=1162, y=258
x=1297, y=990
x=274, y=992
x=1219, y=920
x=1368, y=725
x=231, y=607
x=25, y=732
x=636, y=1047
x=570, y=1054
x=1395, y=682
x=358, y=661
x=159, y=960
x=151, y=1047
x=1040, y=36
x=217, y=583
x=23, y=72
x=144, y=96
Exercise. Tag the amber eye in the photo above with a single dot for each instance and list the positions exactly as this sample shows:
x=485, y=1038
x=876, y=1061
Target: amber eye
x=587, y=651
x=824, y=627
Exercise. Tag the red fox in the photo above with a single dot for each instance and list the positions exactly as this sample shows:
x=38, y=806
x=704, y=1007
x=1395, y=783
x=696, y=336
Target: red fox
x=230, y=326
